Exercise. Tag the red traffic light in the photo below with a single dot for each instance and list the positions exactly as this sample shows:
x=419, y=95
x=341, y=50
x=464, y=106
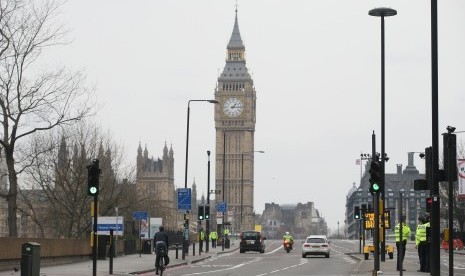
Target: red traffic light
x=429, y=204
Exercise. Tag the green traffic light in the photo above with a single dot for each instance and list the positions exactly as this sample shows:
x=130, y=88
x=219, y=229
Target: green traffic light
x=92, y=190
x=375, y=187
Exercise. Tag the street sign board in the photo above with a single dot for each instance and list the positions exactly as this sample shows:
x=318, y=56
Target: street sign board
x=461, y=178
x=140, y=215
x=105, y=224
x=370, y=220
x=184, y=198
x=221, y=207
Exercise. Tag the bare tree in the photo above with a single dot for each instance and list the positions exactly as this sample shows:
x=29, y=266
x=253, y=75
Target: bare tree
x=32, y=99
x=60, y=177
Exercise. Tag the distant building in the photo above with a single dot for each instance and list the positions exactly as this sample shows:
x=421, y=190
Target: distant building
x=414, y=202
x=155, y=186
x=235, y=118
x=300, y=220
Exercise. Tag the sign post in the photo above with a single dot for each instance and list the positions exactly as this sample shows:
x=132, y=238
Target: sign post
x=141, y=216
x=185, y=205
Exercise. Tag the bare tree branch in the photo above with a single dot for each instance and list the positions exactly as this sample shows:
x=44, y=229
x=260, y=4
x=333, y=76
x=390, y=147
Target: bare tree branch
x=33, y=100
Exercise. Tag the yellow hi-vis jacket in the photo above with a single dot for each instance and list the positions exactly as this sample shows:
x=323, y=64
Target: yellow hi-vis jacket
x=420, y=235
x=405, y=232
x=213, y=235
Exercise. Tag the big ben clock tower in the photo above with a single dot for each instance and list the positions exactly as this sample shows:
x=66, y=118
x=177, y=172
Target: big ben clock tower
x=235, y=128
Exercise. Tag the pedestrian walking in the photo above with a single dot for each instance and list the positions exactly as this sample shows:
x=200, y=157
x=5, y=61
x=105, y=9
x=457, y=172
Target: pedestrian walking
x=401, y=244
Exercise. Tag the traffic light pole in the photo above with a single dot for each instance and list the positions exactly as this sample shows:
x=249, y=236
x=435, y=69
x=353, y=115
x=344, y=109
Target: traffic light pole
x=95, y=236
x=435, y=208
x=375, y=208
x=207, y=222
x=376, y=230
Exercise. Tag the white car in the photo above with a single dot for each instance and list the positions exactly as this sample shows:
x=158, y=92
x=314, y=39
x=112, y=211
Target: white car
x=315, y=245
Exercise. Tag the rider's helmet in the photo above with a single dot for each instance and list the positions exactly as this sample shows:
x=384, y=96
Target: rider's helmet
x=287, y=233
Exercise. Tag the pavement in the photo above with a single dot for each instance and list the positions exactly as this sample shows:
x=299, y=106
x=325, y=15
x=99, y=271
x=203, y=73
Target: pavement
x=389, y=267
x=128, y=264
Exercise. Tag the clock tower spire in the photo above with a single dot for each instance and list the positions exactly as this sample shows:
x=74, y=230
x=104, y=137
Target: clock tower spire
x=235, y=128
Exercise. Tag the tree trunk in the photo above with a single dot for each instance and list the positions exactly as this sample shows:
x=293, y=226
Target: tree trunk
x=12, y=195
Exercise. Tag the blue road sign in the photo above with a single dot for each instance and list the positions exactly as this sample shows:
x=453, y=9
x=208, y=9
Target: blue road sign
x=184, y=198
x=140, y=215
x=221, y=207
x=108, y=227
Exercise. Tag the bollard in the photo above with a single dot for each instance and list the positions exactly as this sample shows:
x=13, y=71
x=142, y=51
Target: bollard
x=193, y=249
x=30, y=259
x=177, y=247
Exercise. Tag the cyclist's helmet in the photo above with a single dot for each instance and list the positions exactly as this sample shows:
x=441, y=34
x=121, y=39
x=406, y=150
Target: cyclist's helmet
x=287, y=233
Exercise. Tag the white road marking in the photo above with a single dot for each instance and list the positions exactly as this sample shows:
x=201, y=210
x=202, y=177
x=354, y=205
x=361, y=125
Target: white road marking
x=225, y=269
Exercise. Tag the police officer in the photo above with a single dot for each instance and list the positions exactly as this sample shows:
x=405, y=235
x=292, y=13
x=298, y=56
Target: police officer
x=401, y=244
x=213, y=237
x=420, y=241
x=201, y=239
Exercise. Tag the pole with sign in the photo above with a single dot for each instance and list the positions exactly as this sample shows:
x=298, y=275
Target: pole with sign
x=140, y=216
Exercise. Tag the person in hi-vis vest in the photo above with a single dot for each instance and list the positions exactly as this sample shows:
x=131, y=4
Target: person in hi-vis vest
x=213, y=237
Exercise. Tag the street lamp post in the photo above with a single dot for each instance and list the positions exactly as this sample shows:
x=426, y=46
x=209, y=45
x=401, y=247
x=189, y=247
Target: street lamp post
x=208, y=204
x=223, y=191
x=382, y=12
x=186, y=220
x=242, y=179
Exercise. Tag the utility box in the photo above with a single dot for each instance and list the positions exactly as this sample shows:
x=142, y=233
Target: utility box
x=30, y=259
x=147, y=247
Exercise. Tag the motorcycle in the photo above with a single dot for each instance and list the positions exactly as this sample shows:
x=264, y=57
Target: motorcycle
x=287, y=246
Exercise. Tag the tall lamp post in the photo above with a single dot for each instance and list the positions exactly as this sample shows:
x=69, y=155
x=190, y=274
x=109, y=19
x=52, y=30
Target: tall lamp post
x=382, y=12
x=223, y=191
x=242, y=178
x=186, y=220
x=208, y=204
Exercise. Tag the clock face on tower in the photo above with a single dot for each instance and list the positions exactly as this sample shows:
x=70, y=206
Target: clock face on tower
x=233, y=107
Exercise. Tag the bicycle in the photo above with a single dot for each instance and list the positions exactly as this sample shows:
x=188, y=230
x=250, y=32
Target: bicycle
x=161, y=261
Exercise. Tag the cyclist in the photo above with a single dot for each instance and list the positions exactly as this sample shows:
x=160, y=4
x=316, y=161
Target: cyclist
x=161, y=245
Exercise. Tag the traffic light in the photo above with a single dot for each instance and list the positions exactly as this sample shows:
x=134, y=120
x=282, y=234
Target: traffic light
x=93, y=174
x=375, y=177
x=200, y=213
x=356, y=212
x=429, y=204
x=429, y=167
x=363, y=211
x=450, y=156
x=207, y=212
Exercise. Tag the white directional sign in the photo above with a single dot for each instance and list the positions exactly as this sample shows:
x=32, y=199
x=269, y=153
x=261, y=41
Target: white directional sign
x=461, y=178
x=105, y=224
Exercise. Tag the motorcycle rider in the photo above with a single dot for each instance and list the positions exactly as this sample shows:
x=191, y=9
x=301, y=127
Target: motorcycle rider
x=288, y=238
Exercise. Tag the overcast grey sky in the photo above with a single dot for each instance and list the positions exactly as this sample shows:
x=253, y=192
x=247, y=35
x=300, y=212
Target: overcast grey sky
x=316, y=68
